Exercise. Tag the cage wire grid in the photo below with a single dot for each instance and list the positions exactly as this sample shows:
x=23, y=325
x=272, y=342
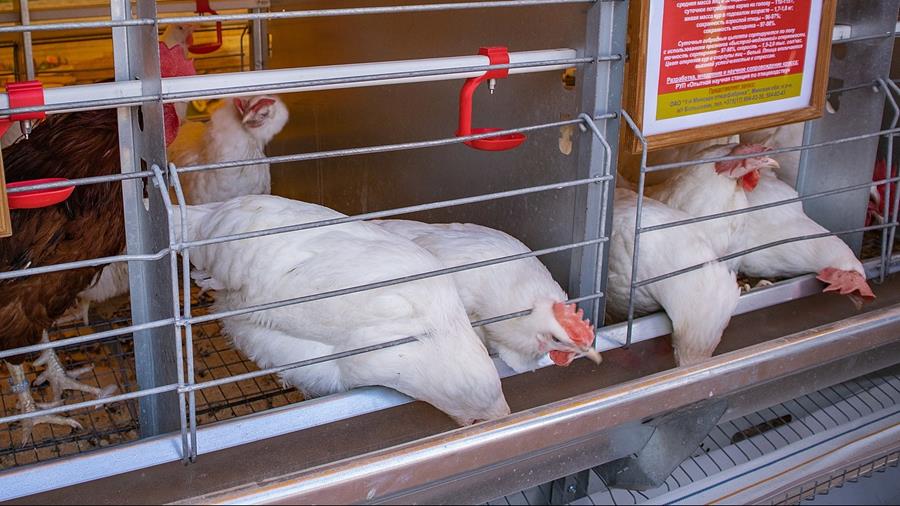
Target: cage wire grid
x=755, y=435
x=113, y=361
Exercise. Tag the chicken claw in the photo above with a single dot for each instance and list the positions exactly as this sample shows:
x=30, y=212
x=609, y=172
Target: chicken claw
x=22, y=389
x=61, y=380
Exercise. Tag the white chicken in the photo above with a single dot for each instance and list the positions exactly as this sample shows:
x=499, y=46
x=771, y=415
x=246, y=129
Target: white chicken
x=447, y=367
x=237, y=130
x=505, y=288
x=109, y=283
x=829, y=257
x=699, y=303
x=785, y=136
x=688, y=152
x=715, y=187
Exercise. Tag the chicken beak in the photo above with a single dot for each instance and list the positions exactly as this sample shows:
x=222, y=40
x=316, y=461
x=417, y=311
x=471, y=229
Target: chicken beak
x=770, y=163
x=592, y=354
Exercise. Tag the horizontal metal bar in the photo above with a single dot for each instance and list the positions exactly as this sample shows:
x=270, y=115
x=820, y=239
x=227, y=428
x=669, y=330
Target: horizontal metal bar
x=725, y=214
x=174, y=89
x=393, y=212
x=676, y=165
x=393, y=9
x=296, y=365
x=223, y=381
x=97, y=336
x=89, y=404
x=81, y=181
x=526, y=312
x=80, y=264
x=884, y=35
x=384, y=148
x=760, y=248
x=298, y=157
x=100, y=10
x=357, y=351
x=390, y=282
x=270, y=83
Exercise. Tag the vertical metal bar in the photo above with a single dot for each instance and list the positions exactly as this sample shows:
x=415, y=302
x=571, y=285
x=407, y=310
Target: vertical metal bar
x=156, y=353
x=186, y=297
x=887, y=234
x=600, y=275
x=601, y=91
x=259, y=42
x=186, y=448
x=27, y=47
x=637, y=223
x=890, y=168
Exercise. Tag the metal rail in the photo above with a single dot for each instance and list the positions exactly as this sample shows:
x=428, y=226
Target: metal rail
x=177, y=89
x=396, y=9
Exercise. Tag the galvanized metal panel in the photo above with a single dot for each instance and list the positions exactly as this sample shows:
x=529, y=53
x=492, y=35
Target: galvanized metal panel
x=362, y=117
x=141, y=145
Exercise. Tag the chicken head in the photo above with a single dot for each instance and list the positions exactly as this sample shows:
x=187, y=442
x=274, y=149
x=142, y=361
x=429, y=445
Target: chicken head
x=263, y=116
x=578, y=337
x=747, y=170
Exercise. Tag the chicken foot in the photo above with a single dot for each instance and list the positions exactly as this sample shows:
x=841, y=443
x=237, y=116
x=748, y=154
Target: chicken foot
x=61, y=380
x=27, y=404
x=745, y=287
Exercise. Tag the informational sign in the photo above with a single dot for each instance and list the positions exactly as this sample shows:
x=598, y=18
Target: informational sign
x=738, y=65
x=5, y=221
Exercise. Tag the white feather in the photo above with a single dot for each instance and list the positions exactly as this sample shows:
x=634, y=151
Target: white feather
x=498, y=289
x=448, y=367
x=785, y=136
x=227, y=137
x=784, y=222
x=699, y=303
x=700, y=191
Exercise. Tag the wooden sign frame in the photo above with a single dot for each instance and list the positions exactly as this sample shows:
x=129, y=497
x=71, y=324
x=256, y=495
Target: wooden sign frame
x=636, y=75
x=5, y=221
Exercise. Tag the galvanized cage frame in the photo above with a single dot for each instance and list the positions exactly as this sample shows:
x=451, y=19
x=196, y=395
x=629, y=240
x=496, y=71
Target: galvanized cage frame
x=155, y=305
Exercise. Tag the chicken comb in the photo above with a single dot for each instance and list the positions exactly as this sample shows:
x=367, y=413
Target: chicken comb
x=580, y=331
x=740, y=149
x=260, y=103
x=173, y=63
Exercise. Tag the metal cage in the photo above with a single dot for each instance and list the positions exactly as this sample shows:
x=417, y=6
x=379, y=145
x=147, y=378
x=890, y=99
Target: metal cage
x=168, y=357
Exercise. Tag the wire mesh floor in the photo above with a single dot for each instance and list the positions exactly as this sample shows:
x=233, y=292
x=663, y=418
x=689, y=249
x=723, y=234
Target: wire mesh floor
x=742, y=440
x=113, y=361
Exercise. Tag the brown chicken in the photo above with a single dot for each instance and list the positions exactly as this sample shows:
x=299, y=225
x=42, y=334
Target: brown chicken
x=72, y=145
x=89, y=224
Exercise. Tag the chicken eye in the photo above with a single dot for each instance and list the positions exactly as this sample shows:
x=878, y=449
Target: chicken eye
x=555, y=340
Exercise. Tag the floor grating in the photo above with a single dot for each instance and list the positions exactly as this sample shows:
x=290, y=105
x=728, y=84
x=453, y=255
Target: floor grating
x=113, y=361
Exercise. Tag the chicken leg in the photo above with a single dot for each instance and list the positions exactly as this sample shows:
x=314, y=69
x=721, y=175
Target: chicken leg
x=22, y=389
x=61, y=380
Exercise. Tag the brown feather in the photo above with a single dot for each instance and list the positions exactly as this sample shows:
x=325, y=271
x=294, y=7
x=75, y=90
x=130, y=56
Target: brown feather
x=89, y=225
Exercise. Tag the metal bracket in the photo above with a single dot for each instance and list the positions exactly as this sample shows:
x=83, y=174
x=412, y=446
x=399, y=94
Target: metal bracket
x=571, y=488
x=675, y=436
